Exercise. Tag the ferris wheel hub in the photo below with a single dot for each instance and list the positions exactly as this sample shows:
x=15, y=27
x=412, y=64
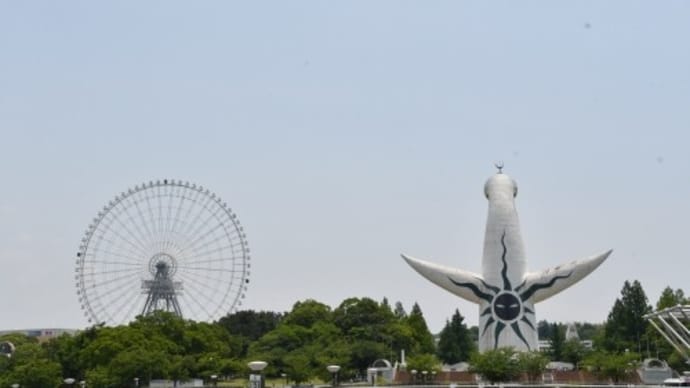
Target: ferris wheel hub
x=161, y=260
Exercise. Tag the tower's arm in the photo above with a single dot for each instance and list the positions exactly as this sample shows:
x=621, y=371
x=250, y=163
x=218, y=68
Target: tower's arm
x=544, y=284
x=464, y=284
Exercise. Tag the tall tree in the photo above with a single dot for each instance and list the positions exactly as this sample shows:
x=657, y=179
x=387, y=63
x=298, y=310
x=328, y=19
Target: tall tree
x=670, y=298
x=626, y=327
x=399, y=311
x=544, y=329
x=420, y=331
x=557, y=342
x=455, y=343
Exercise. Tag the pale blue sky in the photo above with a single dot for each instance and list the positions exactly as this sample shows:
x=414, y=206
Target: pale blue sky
x=345, y=133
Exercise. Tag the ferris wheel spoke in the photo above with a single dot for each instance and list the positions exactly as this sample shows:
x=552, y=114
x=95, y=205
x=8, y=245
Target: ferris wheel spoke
x=206, y=269
x=129, y=263
x=201, y=306
x=161, y=222
x=192, y=204
x=208, y=261
x=203, y=206
x=178, y=209
x=203, y=254
x=131, y=297
x=124, y=270
x=124, y=298
x=130, y=254
x=136, y=217
x=201, y=236
x=137, y=202
x=104, y=300
x=155, y=233
x=133, y=247
x=193, y=252
x=130, y=259
x=116, y=217
x=199, y=288
x=116, y=279
x=170, y=193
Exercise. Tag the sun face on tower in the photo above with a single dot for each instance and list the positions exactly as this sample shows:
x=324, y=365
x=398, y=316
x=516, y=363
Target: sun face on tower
x=507, y=304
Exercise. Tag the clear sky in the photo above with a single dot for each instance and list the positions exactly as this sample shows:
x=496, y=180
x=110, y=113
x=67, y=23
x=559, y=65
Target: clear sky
x=345, y=133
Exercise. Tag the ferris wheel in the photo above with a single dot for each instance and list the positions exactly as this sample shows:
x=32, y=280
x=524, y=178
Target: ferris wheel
x=164, y=245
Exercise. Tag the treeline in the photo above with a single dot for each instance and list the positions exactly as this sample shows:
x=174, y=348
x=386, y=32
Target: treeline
x=300, y=343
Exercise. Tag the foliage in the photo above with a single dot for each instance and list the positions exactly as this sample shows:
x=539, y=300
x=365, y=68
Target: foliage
x=29, y=366
x=625, y=327
x=424, y=362
x=557, y=342
x=574, y=352
x=247, y=326
x=455, y=343
x=499, y=365
x=299, y=343
x=613, y=366
x=424, y=341
x=670, y=298
x=532, y=364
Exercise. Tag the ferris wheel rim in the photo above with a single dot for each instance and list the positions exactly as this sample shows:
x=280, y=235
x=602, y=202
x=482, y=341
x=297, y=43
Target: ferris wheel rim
x=196, y=278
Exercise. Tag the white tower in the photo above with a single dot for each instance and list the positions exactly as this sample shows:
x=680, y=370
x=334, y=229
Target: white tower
x=505, y=291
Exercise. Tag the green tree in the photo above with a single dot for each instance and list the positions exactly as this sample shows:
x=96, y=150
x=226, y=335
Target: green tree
x=532, y=364
x=308, y=313
x=625, y=327
x=399, y=311
x=455, y=343
x=613, y=366
x=670, y=298
x=544, y=329
x=423, y=362
x=574, y=352
x=498, y=365
x=557, y=342
x=420, y=332
x=248, y=326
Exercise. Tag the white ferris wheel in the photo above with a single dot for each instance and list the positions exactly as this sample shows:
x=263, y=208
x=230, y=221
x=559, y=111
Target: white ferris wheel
x=164, y=245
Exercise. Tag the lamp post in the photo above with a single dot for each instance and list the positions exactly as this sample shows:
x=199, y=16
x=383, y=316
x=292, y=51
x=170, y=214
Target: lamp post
x=82, y=384
x=433, y=376
x=256, y=379
x=214, y=380
x=424, y=373
x=285, y=376
x=69, y=381
x=334, y=371
x=136, y=382
x=414, y=376
x=15, y=385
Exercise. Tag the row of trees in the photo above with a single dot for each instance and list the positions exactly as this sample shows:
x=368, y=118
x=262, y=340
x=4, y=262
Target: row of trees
x=301, y=342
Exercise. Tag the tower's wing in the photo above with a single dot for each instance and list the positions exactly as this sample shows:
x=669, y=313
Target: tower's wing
x=464, y=284
x=547, y=283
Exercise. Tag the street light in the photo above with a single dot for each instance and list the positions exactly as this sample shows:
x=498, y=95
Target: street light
x=214, y=380
x=69, y=381
x=15, y=385
x=433, y=376
x=256, y=380
x=285, y=376
x=82, y=384
x=424, y=373
x=414, y=376
x=334, y=371
x=136, y=382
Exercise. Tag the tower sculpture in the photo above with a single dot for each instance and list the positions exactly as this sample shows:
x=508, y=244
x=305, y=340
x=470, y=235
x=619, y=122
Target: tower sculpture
x=505, y=291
